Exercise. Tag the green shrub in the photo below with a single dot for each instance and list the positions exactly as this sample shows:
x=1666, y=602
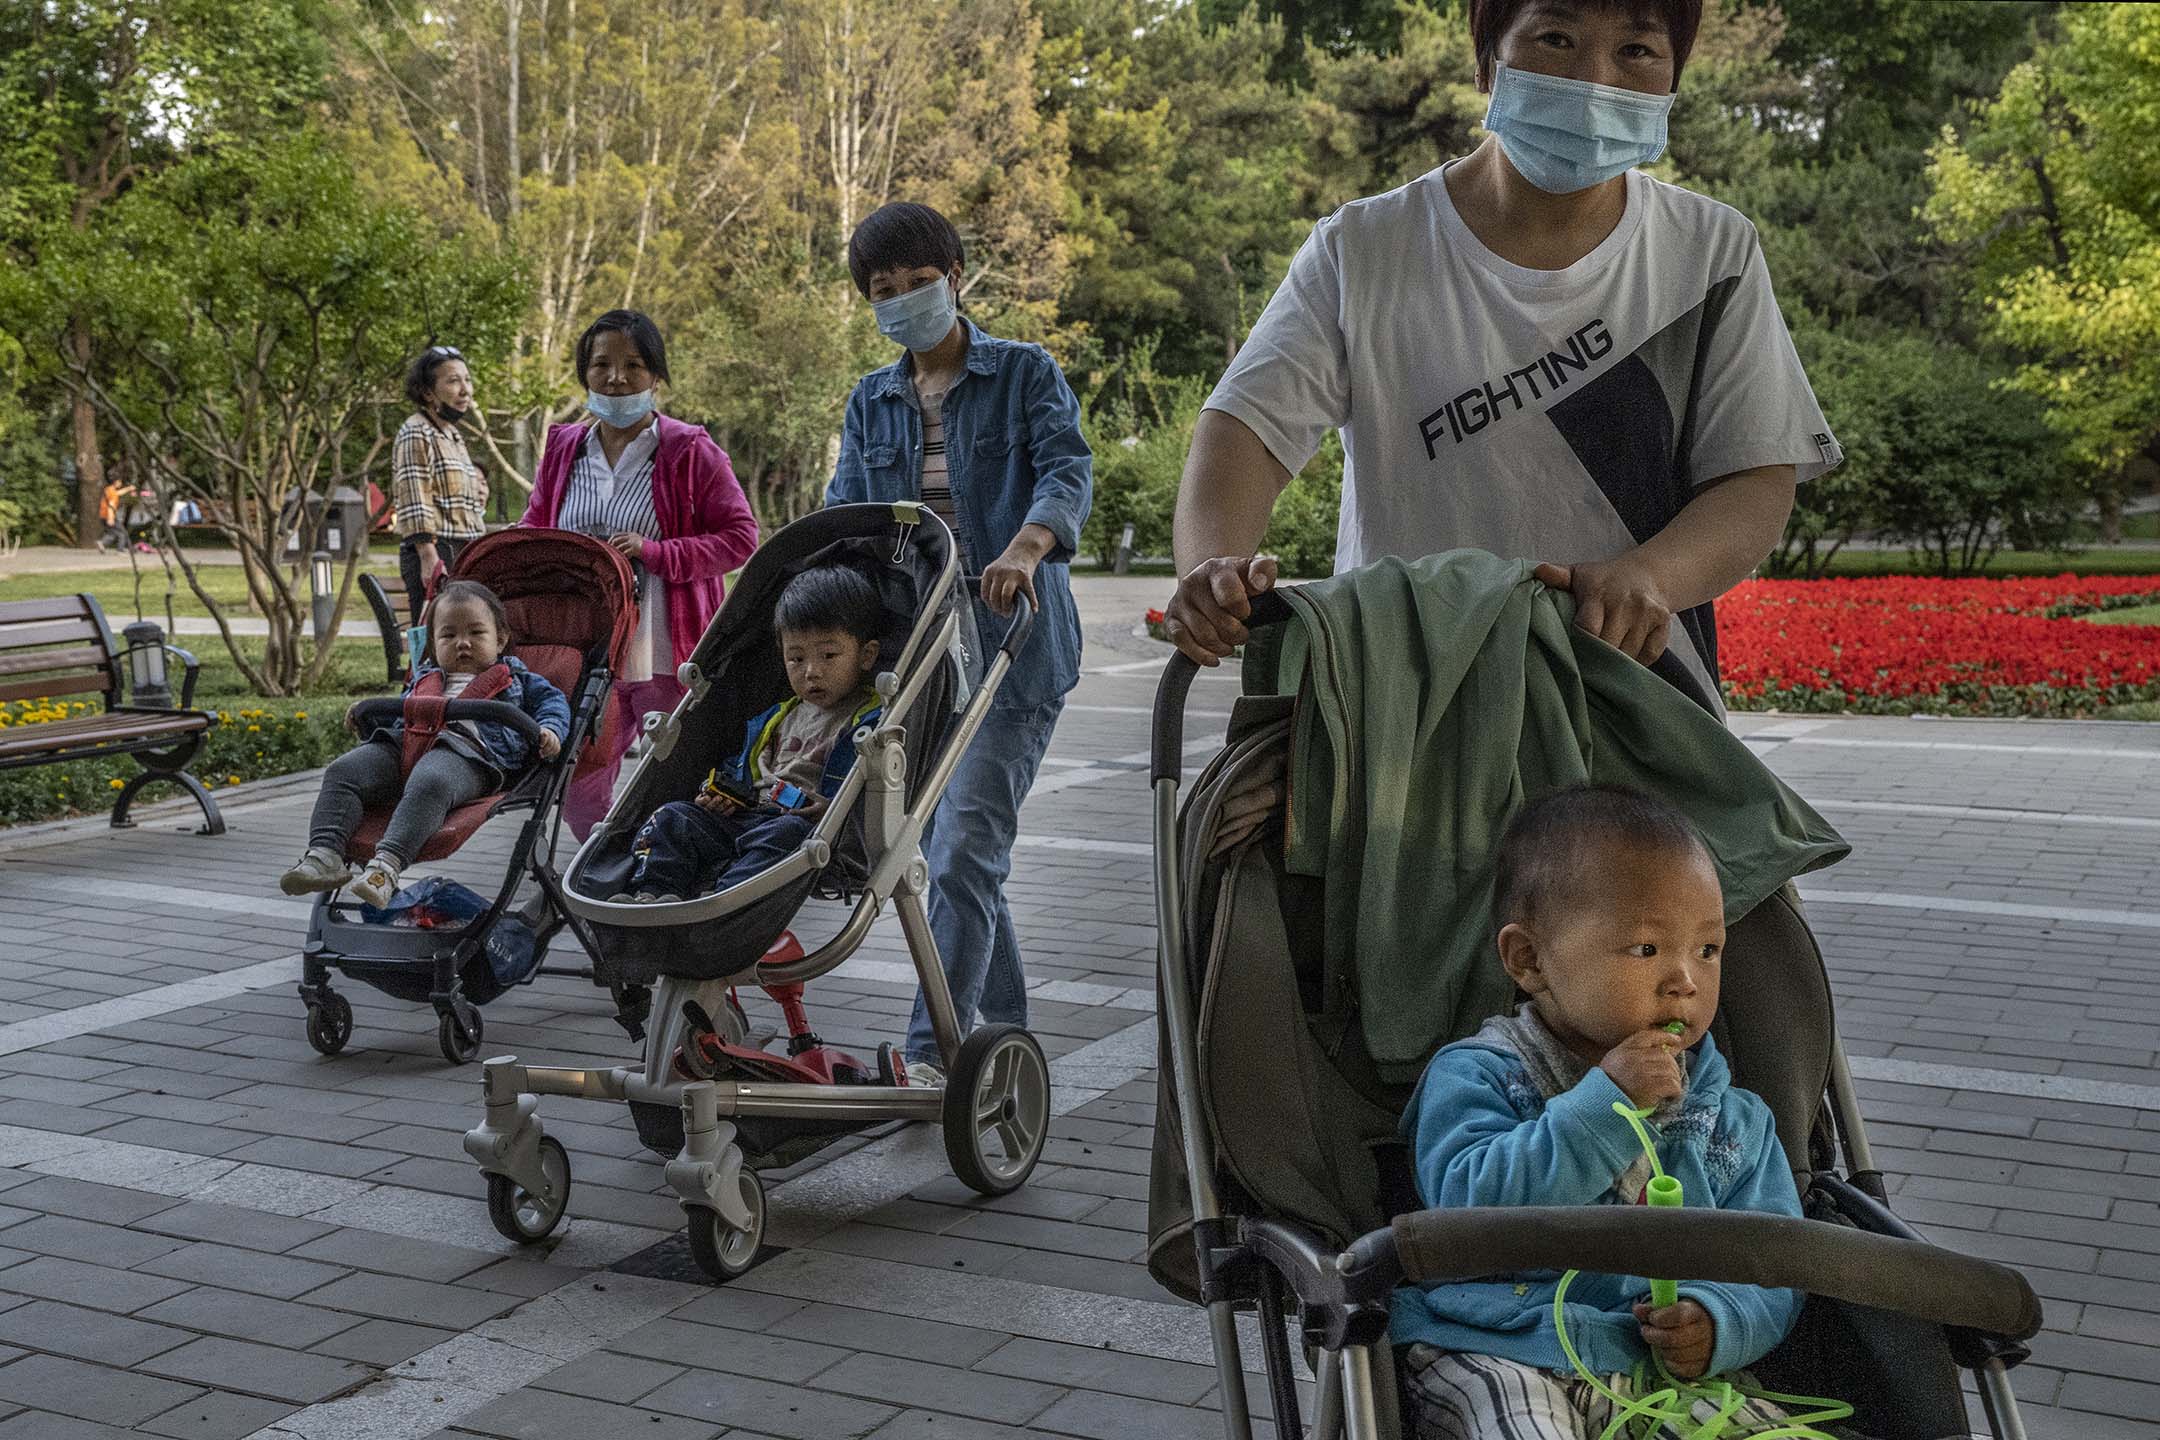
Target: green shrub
x=252, y=744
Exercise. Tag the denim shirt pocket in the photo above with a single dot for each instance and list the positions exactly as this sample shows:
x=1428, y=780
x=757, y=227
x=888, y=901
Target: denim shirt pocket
x=883, y=472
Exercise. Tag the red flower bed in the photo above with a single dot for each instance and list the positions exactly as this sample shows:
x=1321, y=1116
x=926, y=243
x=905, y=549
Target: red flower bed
x=1898, y=644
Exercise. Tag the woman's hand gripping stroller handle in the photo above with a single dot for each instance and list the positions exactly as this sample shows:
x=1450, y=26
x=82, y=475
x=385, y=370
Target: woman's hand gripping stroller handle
x=370, y=714
x=1268, y=608
x=1023, y=620
x=1910, y=1277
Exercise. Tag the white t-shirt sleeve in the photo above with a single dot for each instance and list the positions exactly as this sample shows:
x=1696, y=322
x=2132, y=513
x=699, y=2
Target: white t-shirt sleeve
x=1756, y=407
x=1290, y=382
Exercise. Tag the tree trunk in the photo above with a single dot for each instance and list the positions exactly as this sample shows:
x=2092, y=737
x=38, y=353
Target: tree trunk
x=512, y=161
x=89, y=461
x=2108, y=495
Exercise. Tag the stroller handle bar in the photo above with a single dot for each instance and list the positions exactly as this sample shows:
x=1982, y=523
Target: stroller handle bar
x=1910, y=1277
x=1268, y=608
x=1023, y=620
x=480, y=712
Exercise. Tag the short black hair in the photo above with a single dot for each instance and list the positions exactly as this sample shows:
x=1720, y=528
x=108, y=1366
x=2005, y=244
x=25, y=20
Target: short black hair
x=456, y=590
x=902, y=236
x=1490, y=19
x=1556, y=839
x=420, y=375
x=642, y=332
x=831, y=597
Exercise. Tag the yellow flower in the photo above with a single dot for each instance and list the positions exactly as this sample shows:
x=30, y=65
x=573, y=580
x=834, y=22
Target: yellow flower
x=223, y=718
x=232, y=779
x=254, y=729
x=299, y=714
x=117, y=784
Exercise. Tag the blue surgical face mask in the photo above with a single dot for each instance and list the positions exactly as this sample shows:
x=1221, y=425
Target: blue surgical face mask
x=621, y=411
x=1567, y=135
x=920, y=318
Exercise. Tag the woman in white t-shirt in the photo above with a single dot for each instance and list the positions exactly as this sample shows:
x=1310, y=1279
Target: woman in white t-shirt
x=1535, y=350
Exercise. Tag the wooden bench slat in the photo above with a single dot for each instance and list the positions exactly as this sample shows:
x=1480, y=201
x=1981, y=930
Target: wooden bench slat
x=24, y=662
x=65, y=685
x=59, y=607
x=84, y=732
x=48, y=632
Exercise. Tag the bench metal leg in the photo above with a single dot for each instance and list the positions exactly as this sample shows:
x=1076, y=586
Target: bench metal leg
x=213, y=822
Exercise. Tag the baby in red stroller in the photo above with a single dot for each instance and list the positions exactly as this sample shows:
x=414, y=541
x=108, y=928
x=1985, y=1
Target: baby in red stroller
x=423, y=766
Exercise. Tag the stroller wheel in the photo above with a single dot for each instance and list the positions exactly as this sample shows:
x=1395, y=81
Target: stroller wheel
x=721, y=1250
x=997, y=1109
x=523, y=1216
x=329, y=1024
x=459, y=1044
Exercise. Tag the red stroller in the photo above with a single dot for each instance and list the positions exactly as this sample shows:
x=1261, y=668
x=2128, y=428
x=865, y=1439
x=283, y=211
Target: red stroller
x=572, y=606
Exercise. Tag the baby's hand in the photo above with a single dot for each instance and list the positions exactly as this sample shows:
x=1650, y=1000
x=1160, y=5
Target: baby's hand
x=1647, y=1066
x=713, y=802
x=550, y=745
x=1682, y=1334
x=811, y=803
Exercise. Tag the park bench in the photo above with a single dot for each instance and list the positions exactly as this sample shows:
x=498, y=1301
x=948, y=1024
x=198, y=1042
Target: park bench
x=386, y=596
x=51, y=649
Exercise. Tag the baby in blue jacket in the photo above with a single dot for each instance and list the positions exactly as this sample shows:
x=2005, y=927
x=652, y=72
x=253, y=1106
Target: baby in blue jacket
x=1611, y=920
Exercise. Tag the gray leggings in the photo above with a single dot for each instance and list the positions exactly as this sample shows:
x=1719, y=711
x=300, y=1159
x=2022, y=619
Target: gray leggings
x=368, y=775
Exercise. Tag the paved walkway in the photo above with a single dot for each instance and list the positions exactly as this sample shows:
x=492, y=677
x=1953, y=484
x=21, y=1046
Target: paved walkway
x=207, y=1231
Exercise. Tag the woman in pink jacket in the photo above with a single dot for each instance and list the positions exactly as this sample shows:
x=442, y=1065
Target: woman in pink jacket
x=661, y=492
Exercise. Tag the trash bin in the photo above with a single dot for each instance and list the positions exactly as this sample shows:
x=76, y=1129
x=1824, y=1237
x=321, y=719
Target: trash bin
x=343, y=531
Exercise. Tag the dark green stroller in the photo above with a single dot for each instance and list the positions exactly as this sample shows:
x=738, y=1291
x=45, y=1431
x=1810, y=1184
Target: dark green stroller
x=1279, y=1186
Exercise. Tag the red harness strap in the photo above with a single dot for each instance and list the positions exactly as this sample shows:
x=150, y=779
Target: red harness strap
x=425, y=703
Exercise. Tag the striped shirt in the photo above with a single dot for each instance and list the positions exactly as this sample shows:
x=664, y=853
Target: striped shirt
x=936, y=475
x=604, y=500
x=434, y=484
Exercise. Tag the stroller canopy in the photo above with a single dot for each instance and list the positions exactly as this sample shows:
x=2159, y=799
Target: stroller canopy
x=559, y=588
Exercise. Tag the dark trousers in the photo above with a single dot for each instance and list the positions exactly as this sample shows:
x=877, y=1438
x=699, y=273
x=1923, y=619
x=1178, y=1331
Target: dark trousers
x=408, y=565
x=367, y=776
x=683, y=848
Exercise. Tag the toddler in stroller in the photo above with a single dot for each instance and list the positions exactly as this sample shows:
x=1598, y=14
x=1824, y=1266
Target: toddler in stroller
x=424, y=767
x=793, y=759
x=707, y=1097
x=1610, y=917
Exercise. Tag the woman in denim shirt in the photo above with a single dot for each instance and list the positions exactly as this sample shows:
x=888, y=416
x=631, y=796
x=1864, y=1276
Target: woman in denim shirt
x=987, y=433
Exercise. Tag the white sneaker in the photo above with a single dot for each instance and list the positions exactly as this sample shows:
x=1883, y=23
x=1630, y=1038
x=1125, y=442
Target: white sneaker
x=317, y=870
x=376, y=885
x=921, y=1074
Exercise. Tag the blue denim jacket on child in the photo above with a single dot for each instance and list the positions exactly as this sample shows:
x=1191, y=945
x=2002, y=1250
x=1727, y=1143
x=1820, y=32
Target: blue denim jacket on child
x=508, y=748
x=1016, y=457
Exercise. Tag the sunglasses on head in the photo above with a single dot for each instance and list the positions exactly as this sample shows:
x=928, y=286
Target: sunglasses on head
x=448, y=352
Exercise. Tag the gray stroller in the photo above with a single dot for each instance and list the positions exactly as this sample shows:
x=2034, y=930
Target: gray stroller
x=716, y=1104
x=1279, y=1185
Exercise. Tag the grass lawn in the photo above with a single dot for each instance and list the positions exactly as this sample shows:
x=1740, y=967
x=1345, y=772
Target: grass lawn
x=2136, y=615
x=355, y=673
x=116, y=590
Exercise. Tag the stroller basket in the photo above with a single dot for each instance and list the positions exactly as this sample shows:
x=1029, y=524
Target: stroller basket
x=1285, y=1190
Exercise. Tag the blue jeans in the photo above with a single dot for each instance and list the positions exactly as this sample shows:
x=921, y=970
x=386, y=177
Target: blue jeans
x=684, y=848
x=969, y=848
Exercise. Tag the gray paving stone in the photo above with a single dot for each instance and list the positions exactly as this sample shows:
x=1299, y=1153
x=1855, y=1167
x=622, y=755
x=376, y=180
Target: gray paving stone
x=315, y=1156
x=928, y=1425
x=882, y=1333
x=232, y=1225
x=44, y=1425
x=82, y=1200
x=48, y=1277
x=707, y=1347
x=279, y=1276
x=786, y=1411
x=395, y=1255
x=1081, y=1368
x=1060, y=1236
x=73, y=1239
x=1120, y=1417
x=260, y=1370
x=88, y=1392
x=941, y=1388
x=605, y=1375
x=740, y=1309
x=416, y=1302
x=548, y=1415
x=249, y=1317
x=382, y=1343
x=217, y=1415
x=86, y=1334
